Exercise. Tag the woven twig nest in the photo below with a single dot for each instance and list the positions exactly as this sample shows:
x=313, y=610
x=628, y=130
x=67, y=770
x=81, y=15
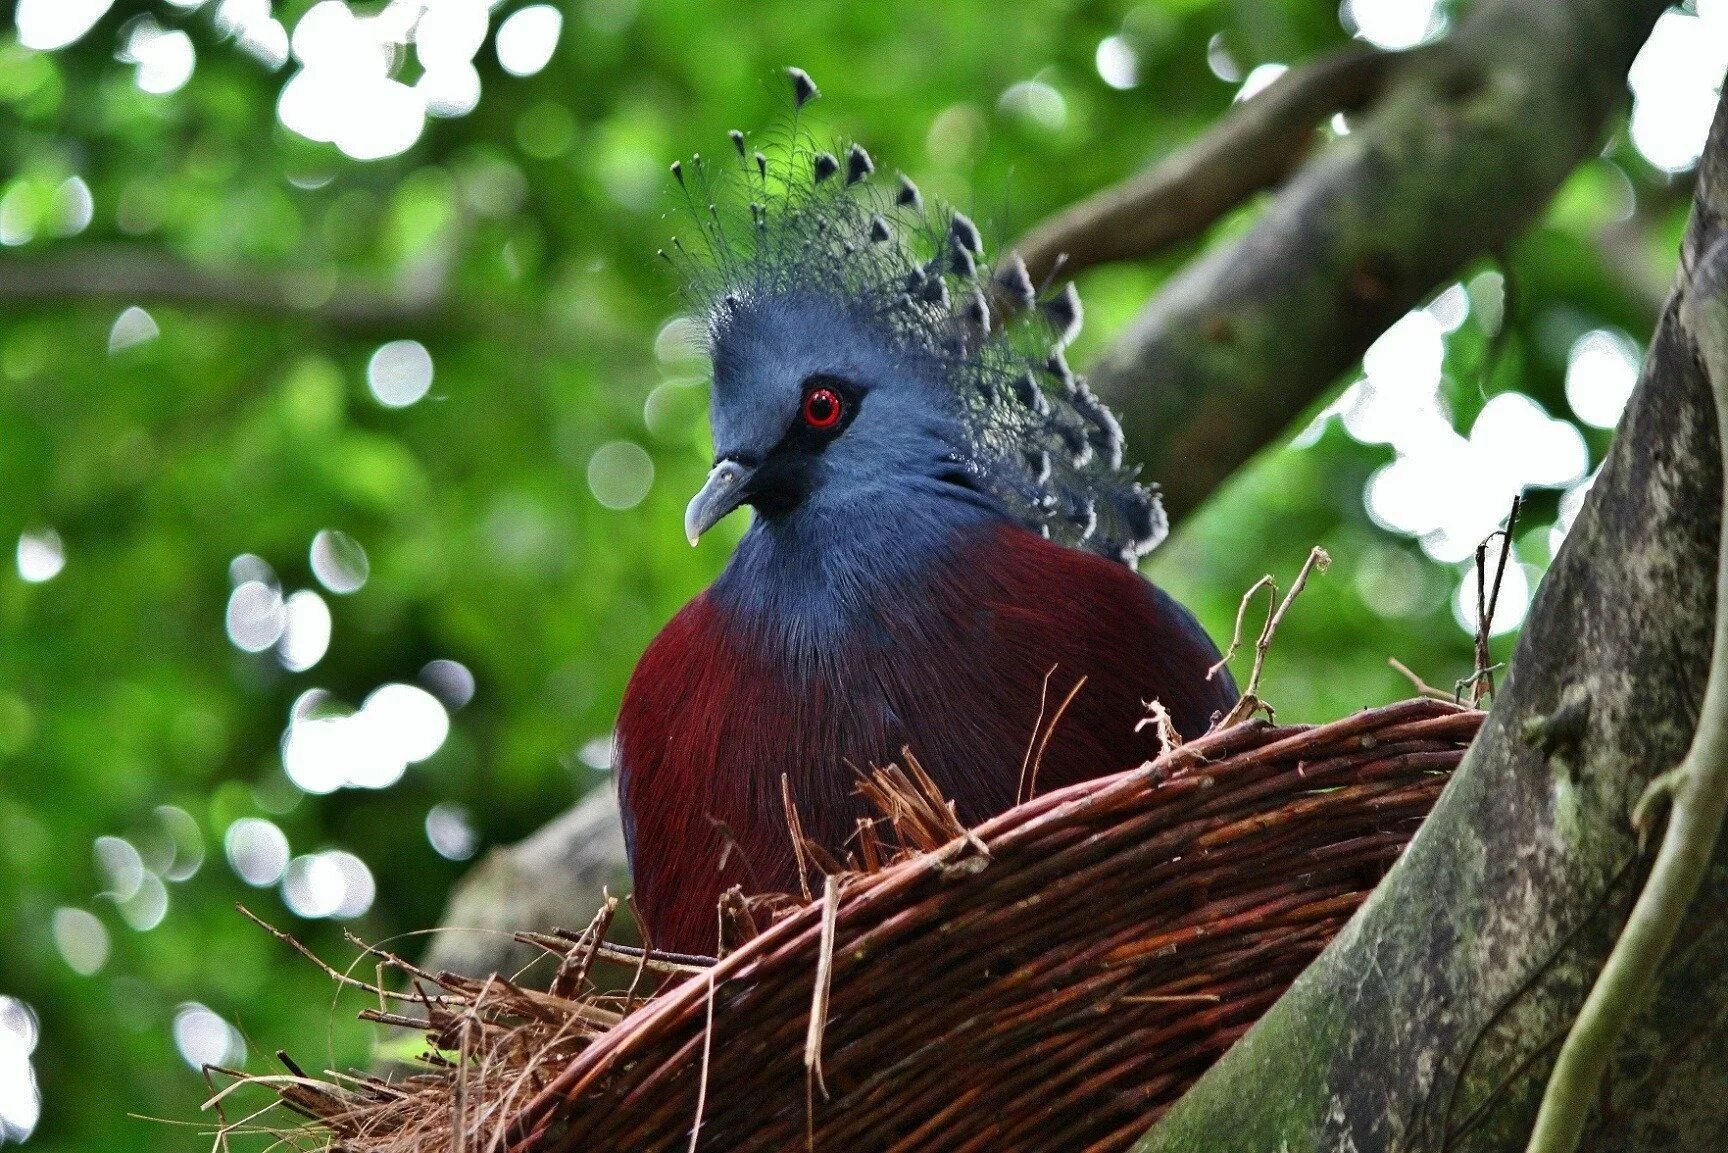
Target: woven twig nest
x=1053, y=979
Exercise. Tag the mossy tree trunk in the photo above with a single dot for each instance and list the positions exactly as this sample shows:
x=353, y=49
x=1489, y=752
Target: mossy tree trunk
x=1433, y=1021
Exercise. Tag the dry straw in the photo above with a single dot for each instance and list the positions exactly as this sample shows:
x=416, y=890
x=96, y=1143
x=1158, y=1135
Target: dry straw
x=1052, y=979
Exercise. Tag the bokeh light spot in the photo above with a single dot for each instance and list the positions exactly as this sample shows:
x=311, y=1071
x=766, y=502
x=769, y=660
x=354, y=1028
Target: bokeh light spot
x=256, y=616
x=258, y=33
x=49, y=24
x=1676, y=79
x=1035, y=102
x=683, y=339
x=450, y=33
x=412, y=720
x=449, y=681
x=257, y=851
x=957, y=134
x=1393, y=24
x=73, y=207
x=306, y=631
x=1601, y=372
x=339, y=562
x=449, y=89
x=41, y=555
x=204, y=1038
x=120, y=865
x=146, y=908
x=1116, y=62
x=1571, y=504
x=1259, y=79
x=1451, y=308
x=399, y=373
x=343, y=93
x=164, y=57
x=1221, y=61
x=1513, y=602
x=20, y=1099
x=528, y=38
x=620, y=473
x=20, y=213
x=186, y=839
x=596, y=753
x=131, y=328
x=450, y=831
x=81, y=939
x=326, y=749
x=333, y=884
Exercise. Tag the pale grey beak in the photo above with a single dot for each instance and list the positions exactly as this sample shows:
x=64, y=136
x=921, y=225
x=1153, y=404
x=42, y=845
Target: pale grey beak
x=723, y=492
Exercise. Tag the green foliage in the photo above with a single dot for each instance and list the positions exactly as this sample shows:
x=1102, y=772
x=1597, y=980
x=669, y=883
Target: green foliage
x=244, y=430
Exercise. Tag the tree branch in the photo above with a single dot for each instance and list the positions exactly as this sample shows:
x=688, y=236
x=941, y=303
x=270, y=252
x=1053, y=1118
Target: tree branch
x=1255, y=146
x=1434, y=1020
x=1463, y=148
x=1698, y=795
x=140, y=274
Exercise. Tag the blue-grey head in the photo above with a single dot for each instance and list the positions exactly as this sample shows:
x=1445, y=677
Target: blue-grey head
x=863, y=351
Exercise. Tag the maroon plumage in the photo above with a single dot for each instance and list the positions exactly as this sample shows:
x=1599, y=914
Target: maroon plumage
x=712, y=719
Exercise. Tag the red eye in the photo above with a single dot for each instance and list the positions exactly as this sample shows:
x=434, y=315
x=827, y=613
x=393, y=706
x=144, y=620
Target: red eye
x=822, y=408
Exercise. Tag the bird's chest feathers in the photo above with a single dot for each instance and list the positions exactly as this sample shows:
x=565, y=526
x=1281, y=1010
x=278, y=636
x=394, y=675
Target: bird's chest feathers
x=827, y=596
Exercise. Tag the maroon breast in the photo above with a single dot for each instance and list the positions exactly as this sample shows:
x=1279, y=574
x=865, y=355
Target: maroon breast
x=959, y=670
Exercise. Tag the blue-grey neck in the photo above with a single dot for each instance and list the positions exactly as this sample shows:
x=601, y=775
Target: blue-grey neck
x=830, y=573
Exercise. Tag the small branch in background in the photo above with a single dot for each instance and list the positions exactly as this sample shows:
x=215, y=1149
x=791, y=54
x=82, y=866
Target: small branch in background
x=1249, y=702
x=139, y=274
x=1255, y=146
x=1481, y=681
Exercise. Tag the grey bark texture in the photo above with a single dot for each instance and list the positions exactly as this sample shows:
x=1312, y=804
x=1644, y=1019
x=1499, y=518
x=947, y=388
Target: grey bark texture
x=1434, y=1019
x=554, y=878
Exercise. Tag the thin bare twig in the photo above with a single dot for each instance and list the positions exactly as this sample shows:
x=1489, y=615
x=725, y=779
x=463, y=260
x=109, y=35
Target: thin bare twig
x=1250, y=701
x=342, y=979
x=1481, y=680
x=813, y=1078
x=1032, y=741
x=795, y=829
x=707, y=1054
x=1044, y=742
x=1421, y=685
x=1265, y=582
